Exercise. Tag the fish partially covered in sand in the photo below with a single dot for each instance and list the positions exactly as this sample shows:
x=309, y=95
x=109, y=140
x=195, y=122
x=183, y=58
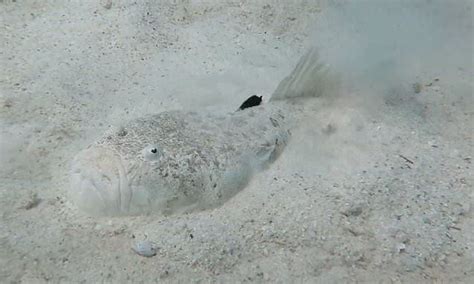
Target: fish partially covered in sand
x=178, y=161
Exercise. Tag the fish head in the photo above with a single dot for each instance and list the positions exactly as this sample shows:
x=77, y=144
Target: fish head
x=98, y=181
x=108, y=182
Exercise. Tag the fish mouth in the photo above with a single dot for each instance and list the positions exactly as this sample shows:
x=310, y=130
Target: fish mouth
x=99, y=184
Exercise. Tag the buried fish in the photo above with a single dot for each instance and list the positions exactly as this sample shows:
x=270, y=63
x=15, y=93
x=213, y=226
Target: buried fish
x=178, y=161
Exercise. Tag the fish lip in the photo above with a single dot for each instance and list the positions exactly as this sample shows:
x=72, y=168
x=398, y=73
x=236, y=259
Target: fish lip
x=99, y=183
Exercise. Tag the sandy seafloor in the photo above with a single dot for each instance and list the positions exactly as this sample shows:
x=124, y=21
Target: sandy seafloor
x=376, y=184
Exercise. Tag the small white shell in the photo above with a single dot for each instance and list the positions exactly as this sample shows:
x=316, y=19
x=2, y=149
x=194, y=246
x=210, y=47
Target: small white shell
x=144, y=248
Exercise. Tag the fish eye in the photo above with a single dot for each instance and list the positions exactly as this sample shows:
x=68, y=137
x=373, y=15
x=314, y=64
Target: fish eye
x=152, y=153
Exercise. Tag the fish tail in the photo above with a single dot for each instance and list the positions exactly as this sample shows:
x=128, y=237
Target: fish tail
x=310, y=78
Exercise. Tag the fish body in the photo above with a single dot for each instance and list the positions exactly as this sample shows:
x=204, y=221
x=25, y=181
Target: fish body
x=181, y=161
x=176, y=161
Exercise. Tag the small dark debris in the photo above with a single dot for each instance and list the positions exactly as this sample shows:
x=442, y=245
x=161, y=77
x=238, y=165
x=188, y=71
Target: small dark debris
x=417, y=87
x=32, y=202
x=108, y=4
x=274, y=122
x=354, y=232
x=353, y=211
x=122, y=132
x=329, y=129
x=8, y=103
x=406, y=159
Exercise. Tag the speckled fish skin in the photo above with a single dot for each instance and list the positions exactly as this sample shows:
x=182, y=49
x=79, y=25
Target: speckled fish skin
x=176, y=161
x=179, y=161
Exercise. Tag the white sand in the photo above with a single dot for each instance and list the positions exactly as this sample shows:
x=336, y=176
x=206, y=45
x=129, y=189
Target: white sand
x=376, y=184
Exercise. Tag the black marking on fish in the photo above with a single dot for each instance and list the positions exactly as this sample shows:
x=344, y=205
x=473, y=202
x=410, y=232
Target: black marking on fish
x=251, y=102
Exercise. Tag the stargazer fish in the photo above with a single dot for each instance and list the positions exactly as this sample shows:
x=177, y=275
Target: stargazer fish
x=181, y=161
